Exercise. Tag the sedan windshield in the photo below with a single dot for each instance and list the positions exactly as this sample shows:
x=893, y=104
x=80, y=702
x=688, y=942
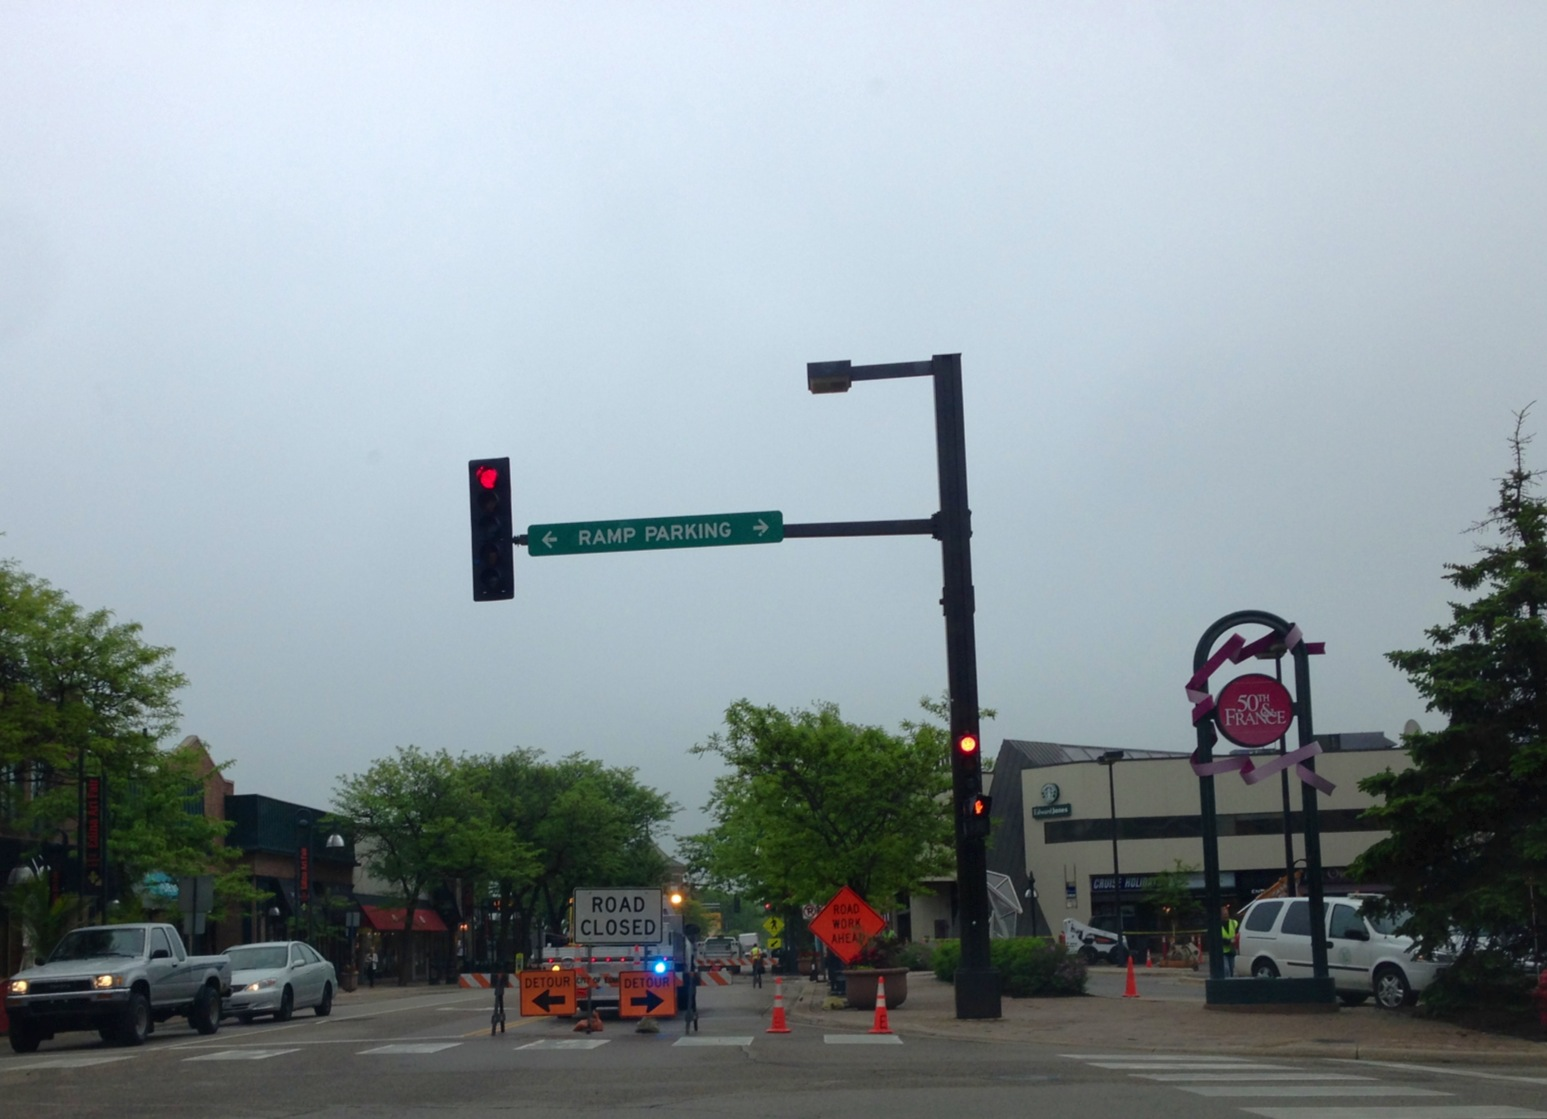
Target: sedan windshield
x=86, y=944
x=259, y=957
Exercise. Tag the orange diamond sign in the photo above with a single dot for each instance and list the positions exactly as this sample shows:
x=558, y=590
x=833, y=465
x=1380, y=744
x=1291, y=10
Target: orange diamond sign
x=845, y=923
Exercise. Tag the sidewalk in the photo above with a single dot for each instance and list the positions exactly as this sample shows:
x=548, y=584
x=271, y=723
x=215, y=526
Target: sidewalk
x=1092, y=1024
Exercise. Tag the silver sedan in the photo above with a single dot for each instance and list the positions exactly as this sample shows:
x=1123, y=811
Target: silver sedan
x=279, y=977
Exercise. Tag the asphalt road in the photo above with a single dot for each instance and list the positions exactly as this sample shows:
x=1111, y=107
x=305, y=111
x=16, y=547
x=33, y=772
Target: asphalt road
x=427, y=1053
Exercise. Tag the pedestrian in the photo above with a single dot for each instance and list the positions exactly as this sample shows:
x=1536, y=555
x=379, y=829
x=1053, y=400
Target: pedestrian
x=757, y=967
x=1228, y=926
x=370, y=968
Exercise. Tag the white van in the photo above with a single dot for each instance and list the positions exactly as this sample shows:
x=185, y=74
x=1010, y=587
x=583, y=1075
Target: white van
x=1365, y=956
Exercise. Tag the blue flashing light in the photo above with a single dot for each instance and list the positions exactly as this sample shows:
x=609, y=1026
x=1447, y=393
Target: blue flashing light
x=660, y=967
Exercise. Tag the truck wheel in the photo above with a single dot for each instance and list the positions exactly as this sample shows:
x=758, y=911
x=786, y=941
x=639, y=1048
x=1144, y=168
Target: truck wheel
x=25, y=1038
x=286, y=1006
x=325, y=1007
x=205, y=1015
x=134, y=1024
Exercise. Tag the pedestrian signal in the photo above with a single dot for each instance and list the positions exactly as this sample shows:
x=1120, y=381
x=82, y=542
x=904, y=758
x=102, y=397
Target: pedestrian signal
x=975, y=816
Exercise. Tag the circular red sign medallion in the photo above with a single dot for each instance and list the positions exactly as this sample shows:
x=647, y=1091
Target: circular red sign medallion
x=1254, y=710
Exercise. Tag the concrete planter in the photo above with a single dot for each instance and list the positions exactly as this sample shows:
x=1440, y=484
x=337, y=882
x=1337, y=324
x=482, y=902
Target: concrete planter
x=860, y=986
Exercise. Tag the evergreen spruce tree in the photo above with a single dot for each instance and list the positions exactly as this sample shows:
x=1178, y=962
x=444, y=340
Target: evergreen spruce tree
x=1467, y=848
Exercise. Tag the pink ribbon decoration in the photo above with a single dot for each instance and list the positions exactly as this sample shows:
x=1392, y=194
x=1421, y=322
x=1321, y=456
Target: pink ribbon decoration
x=1235, y=650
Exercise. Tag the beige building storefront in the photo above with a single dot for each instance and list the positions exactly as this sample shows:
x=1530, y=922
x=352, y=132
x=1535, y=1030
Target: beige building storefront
x=1053, y=826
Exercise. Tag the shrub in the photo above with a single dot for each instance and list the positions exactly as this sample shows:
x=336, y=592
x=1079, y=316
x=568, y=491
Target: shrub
x=948, y=953
x=916, y=957
x=1483, y=989
x=1028, y=966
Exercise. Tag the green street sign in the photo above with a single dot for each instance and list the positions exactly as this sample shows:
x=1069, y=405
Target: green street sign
x=698, y=530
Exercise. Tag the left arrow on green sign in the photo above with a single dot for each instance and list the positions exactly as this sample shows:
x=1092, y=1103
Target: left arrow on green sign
x=698, y=530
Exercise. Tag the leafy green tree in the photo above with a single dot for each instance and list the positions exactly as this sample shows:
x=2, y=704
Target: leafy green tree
x=419, y=821
x=581, y=823
x=1468, y=821
x=811, y=803
x=81, y=694
x=1170, y=892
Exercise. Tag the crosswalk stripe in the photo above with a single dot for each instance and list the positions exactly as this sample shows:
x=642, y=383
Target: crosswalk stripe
x=241, y=1055
x=861, y=1039
x=1241, y=1077
x=404, y=1048
x=1152, y=1057
x=691, y=1042
x=41, y=1063
x=1304, y=1091
x=1449, y=1111
x=1190, y=1066
x=569, y=1043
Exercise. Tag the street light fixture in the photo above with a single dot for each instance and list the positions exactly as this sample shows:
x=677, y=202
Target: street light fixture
x=1110, y=760
x=977, y=982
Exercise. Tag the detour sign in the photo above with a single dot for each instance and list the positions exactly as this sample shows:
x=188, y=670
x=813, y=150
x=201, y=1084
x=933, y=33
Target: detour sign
x=845, y=923
x=547, y=992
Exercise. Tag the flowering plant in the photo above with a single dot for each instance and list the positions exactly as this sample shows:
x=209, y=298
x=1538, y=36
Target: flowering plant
x=882, y=950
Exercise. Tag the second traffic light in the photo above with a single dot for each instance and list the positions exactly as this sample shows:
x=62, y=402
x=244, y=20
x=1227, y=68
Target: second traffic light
x=494, y=574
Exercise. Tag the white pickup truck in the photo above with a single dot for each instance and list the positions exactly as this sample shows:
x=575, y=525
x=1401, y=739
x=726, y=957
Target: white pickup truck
x=118, y=980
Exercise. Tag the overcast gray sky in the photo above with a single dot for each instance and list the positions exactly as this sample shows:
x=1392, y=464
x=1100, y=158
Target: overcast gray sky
x=1246, y=296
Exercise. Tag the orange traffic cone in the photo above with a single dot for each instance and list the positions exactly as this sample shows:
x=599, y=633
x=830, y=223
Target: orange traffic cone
x=1148, y=960
x=779, y=1025
x=880, y=1027
x=1133, y=988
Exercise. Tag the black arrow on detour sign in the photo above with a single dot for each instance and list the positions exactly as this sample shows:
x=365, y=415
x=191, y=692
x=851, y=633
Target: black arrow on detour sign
x=649, y=999
x=547, y=1000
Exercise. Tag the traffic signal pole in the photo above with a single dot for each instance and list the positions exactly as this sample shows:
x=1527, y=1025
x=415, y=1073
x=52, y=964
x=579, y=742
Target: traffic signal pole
x=977, y=983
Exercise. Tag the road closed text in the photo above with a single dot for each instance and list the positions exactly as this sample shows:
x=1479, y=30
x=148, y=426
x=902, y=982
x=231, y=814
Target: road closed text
x=617, y=916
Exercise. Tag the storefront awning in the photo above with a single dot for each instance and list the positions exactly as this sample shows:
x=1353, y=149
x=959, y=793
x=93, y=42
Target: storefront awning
x=383, y=919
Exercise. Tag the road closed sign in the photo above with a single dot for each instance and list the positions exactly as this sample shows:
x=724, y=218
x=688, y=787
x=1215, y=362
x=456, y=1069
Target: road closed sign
x=618, y=915
x=547, y=993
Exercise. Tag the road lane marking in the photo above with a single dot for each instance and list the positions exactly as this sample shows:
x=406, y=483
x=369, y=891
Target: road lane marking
x=1287, y=1091
x=241, y=1055
x=41, y=1063
x=1474, y=1073
x=1408, y=1111
x=1241, y=1077
x=409, y=1047
x=566, y=1043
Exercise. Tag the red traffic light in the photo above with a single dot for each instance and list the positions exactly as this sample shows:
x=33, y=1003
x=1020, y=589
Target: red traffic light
x=488, y=477
x=967, y=744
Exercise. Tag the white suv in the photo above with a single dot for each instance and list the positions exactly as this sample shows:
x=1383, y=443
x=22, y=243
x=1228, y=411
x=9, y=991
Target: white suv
x=1365, y=956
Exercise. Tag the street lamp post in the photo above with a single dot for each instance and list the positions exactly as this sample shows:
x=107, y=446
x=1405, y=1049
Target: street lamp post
x=977, y=982
x=1110, y=760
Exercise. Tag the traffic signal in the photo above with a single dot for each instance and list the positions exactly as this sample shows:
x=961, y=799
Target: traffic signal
x=966, y=755
x=488, y=485
x=975, y=814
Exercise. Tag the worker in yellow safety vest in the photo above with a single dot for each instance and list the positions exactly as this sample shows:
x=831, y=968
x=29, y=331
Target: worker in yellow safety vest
x=1228, y=927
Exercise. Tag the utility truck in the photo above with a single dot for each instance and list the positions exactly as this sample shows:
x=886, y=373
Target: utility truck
x=617, y=929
